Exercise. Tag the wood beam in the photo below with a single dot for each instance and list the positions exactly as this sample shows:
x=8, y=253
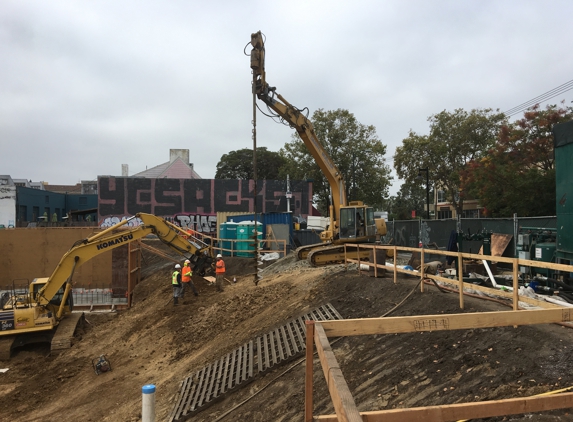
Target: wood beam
x=342, y=400
x=456, y=412
x=444, y=322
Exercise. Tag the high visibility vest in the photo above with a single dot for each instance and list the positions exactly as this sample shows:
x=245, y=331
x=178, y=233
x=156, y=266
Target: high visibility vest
x=220, y=267
x=174, y=279
x=186, y=274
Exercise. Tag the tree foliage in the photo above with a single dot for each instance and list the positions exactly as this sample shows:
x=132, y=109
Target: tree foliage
x=455, y=139
x=518, y=173
x=353, y=147
x=239, y=164
x=410, y=197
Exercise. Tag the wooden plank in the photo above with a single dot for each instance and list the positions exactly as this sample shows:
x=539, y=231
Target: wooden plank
x=279, y=343
x=197, y=386
x=444, y=322
x=465, y=411
x=245, y=362
x=251, y=359
x=285, y=341
x=292, y=338
x=273, y=348
x=334, y=312
x=342, y=400
x=219, y=378
x=231, y=371
x=259, y=354
x=308, y=380
x=204, y=382
x=496, y=292
x=238, y=368
x=224, y=380
x=298, y=332
x=185, y=386
x=176, y=411
x=266, y=348
x=193, y=388
x=212, y=381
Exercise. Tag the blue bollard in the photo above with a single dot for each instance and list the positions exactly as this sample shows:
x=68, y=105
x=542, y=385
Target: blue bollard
x=148, y=403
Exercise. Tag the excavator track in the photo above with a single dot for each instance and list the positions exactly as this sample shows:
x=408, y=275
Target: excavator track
x=6, y=347
x=334, y=254
x=303, y=251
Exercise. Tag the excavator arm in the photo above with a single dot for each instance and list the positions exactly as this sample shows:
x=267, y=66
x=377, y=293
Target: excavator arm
x=297, y=120
x=86, y=249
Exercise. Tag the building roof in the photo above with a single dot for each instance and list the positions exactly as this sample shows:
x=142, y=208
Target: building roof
x=77, y=188
x=176, y=169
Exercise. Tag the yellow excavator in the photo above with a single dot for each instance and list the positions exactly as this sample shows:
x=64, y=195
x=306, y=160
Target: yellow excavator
x=33, y=316
x=350, y=222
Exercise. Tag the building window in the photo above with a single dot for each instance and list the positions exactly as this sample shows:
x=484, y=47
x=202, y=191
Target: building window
x=444, y=213
x=470, y=214
x=441, y=196
x=83, y=200
x=47, y=199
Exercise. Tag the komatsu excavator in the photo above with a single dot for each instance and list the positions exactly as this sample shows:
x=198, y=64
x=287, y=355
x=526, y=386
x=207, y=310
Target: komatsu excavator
x=350, y=222
x=34, y=315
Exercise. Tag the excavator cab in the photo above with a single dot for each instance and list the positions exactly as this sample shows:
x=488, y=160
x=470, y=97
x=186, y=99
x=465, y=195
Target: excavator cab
x=357, y=223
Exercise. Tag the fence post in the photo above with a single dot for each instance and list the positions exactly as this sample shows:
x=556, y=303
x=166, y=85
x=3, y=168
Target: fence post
x=308, y=405
x=148, y=403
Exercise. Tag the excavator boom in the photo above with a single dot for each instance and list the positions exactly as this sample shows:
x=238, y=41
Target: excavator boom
x=349, y=222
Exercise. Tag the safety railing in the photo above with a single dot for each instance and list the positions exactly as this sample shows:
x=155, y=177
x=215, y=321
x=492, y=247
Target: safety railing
x=509, y=292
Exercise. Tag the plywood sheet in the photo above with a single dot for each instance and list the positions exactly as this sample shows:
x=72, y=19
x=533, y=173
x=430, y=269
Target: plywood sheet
x=499, y=242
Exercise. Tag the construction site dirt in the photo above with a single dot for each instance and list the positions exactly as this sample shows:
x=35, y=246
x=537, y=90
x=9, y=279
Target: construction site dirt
x=158, y=343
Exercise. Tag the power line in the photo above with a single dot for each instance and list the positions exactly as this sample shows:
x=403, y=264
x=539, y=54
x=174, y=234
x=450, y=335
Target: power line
x=567, y=86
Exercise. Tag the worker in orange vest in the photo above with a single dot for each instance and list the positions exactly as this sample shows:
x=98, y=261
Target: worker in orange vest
x=220, y=272
x=186, y=280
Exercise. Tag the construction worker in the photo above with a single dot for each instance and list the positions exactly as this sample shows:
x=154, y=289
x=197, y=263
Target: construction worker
x=186, y=274
x=220, y=272
x=176, y=283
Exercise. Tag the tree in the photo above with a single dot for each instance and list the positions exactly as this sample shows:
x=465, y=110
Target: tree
x=353, y=147
x=410, y=197
x=239, y=165
x=518, y=173
x=454, y=140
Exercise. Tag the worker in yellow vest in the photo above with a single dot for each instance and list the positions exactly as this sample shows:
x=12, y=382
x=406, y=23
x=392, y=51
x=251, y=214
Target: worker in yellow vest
x=176, y=283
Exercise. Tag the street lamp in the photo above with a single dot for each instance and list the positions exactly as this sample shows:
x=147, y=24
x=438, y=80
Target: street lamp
x=427, y=189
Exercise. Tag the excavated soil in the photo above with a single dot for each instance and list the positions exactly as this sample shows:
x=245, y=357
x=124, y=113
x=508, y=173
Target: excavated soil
x=158, y=343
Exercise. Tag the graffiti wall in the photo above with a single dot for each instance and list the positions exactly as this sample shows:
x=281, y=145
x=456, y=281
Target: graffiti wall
x=194, y=203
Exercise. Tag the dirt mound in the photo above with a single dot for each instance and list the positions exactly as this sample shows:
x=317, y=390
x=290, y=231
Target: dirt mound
x=156, y=342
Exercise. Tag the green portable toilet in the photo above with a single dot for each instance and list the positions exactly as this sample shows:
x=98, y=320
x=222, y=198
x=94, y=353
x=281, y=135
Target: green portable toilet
x=243, y=233
x=252, y=229
x=228, y=234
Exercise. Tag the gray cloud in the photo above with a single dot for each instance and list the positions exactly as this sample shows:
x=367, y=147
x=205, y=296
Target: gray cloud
x=87, y=86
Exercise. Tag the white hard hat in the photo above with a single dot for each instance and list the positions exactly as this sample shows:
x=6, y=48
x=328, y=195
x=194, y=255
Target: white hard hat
x=177, y=266
x=219, y=255
x=187, y=261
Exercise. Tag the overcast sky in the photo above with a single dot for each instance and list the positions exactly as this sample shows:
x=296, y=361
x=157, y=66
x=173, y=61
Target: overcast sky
x=86, y=86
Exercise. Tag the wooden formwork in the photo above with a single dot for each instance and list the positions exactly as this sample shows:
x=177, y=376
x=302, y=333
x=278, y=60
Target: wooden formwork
x=318, y=333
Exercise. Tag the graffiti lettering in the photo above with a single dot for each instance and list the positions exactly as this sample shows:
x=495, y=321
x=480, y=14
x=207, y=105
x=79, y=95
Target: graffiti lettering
x=120, y=197
x=206, y=224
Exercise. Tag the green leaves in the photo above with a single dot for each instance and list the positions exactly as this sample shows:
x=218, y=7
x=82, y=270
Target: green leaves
x=239, y=165
x=518, y=175
x=455, y=139
x=353, y=147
